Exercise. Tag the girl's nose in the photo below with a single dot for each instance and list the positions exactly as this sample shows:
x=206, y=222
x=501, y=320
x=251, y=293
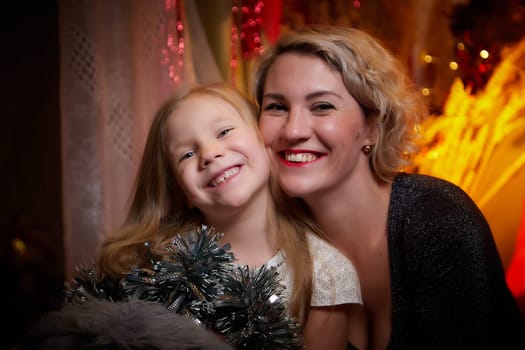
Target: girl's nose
x=210, y=153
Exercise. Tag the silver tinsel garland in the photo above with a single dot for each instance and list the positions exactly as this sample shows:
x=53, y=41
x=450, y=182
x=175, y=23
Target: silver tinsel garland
x=197, y=278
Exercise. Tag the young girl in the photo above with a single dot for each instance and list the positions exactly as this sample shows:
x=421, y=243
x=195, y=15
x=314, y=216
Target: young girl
x=205, y=162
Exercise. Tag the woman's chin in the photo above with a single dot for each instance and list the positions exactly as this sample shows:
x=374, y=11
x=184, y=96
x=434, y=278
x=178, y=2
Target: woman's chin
x=298, y=187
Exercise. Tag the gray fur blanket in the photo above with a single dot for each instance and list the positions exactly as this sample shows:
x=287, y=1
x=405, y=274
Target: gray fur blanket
x=129, y=325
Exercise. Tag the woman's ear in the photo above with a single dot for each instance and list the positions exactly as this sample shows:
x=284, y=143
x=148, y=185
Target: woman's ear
x=373, y=133
x=371, y=139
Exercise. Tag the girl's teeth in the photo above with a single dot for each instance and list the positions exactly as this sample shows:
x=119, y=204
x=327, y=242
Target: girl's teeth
x=225, y=176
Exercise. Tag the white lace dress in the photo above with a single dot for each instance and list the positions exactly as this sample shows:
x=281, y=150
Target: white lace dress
x=335, y=280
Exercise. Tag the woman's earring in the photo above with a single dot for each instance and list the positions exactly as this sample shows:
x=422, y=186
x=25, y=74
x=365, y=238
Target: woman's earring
x=367, y=149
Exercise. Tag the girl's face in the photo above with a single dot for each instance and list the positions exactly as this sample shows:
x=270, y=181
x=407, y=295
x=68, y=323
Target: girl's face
x=217, y=157
x=314, y=127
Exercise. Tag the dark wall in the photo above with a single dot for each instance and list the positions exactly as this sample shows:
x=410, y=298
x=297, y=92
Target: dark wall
x=31, y=249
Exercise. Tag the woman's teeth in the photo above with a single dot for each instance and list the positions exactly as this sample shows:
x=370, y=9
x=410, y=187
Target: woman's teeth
x=300, y=157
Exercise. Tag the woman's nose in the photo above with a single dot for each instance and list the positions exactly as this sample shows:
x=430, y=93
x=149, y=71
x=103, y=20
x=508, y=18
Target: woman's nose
x=297, y=126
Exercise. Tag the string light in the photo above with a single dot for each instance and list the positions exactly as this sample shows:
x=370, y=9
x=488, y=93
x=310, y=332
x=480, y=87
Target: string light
x=427, y=58
x=173, y=33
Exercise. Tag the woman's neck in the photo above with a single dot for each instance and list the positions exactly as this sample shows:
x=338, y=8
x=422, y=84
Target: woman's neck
x=355, y=212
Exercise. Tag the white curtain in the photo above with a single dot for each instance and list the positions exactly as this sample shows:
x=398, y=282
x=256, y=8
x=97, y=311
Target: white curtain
x=112, y=82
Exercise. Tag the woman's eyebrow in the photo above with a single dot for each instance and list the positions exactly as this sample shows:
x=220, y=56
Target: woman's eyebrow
x=321, y=93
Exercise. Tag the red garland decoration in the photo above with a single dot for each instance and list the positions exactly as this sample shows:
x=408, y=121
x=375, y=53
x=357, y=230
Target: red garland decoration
x=246, y=31
x=475, y=71
x=271, y=20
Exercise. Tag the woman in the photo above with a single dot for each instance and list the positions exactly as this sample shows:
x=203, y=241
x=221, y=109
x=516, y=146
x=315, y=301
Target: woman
x=339, y=116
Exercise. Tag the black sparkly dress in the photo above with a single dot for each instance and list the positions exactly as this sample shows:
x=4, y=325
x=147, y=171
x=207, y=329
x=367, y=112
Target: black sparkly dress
x=447, y=280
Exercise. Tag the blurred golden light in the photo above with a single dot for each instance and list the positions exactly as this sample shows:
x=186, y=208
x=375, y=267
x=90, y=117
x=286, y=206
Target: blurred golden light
x=453, y=65
x=434, y=155
x=19, y=246
x=484, y=54
x=478, y=143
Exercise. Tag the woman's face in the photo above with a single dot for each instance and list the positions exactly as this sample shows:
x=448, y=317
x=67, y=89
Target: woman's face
x=314, y=128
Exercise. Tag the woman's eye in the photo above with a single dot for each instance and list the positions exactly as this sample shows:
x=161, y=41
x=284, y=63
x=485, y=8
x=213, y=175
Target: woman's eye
x=323, y=107
x=225, y=132
x=274, y=107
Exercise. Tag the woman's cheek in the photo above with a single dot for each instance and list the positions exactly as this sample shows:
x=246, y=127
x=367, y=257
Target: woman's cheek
x=270, y=128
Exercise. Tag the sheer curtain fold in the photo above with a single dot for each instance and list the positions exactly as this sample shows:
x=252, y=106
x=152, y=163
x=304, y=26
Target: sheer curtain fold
x=112, y=82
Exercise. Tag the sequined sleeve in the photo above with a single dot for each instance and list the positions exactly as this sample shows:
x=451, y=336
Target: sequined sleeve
x=335, y=279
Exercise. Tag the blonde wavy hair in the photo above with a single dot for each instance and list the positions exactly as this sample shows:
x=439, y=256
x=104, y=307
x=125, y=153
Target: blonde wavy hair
x=159, y=207
x=373, y=76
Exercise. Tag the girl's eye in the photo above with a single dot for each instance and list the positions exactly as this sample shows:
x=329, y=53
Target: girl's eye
x=274, y=106
x=225, y=132
x=187, y=155
x=323, y=107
